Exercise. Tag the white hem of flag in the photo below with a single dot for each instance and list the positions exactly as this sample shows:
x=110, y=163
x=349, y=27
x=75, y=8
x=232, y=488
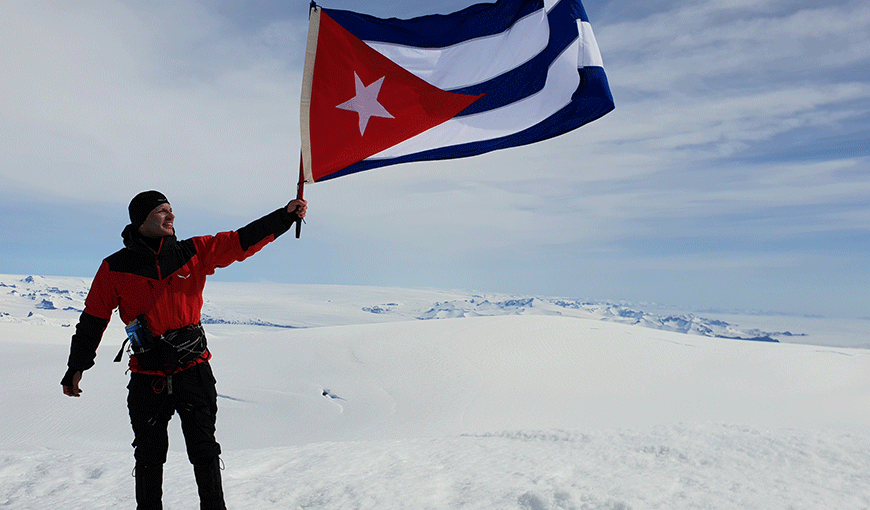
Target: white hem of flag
x=305, y=101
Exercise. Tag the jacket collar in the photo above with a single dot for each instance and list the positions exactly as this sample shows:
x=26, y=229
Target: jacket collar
x=138, y=243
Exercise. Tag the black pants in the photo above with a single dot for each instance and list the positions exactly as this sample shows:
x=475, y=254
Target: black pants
x=152, y=400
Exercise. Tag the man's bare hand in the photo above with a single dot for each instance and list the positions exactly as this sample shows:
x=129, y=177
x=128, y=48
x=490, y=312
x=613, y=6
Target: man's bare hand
x=298, y=206
x=74, y=390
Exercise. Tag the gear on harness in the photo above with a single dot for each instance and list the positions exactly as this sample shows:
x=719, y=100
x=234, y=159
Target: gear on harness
x=175, y=348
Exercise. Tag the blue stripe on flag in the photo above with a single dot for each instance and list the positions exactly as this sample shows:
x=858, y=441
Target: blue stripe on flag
x=437, y=30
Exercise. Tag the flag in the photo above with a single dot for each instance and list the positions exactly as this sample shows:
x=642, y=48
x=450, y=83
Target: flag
x=380, y=92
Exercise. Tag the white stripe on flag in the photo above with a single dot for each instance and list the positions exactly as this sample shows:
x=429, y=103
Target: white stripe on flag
x=461, y=65
x=590, y=56
x=562, y=81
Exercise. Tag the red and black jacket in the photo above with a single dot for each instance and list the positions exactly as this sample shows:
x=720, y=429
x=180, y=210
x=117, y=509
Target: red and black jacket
x=163, y=283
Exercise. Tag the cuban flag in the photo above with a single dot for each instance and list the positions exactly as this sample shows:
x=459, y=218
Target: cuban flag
x=380, y=92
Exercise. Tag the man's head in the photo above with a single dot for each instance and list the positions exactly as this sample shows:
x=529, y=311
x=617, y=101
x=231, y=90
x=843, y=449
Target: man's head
x=151, y=214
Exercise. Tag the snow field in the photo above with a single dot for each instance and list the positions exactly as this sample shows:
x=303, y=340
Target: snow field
x=527, y=412
x=679, y=466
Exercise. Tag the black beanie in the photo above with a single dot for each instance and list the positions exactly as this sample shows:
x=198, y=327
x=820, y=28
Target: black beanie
x=142, y=204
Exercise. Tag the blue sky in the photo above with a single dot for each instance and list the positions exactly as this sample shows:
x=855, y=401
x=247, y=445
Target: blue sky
x=733, y=174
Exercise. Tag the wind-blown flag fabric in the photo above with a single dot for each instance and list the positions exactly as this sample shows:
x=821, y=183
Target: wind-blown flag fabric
x=379, y=92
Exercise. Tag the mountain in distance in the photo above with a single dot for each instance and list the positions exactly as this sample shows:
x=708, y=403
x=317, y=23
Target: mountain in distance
x=60, y=300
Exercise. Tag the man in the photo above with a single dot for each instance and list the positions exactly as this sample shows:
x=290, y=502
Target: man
x=156, y=282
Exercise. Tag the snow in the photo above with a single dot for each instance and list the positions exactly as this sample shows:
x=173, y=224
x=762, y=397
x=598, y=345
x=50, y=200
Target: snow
x=337, y=397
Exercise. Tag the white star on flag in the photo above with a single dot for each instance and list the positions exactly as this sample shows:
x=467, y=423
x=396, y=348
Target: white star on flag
x=365, y=103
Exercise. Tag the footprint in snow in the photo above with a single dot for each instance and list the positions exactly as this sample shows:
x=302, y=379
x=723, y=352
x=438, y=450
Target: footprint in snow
x=331, y=395
x=234, y=399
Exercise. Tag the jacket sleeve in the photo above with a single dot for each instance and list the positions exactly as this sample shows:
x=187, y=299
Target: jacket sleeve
x=83, y=348
x=92, y=324
x=225, y=248
x=267, y=228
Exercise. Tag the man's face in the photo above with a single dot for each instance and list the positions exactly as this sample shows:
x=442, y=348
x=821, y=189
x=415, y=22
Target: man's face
x=159, y=222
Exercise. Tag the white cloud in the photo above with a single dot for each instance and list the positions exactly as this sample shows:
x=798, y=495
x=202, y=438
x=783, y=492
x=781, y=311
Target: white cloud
x=104, y=100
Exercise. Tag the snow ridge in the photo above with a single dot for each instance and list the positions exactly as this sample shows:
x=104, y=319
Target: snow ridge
x=59, y=300
x=208, y=319
x=478, y=306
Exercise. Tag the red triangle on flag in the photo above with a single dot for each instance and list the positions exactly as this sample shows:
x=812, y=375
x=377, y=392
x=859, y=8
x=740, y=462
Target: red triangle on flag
x=362, y=103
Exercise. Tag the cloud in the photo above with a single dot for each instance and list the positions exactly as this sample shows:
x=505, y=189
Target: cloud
x=707, y=91
x=108, y=98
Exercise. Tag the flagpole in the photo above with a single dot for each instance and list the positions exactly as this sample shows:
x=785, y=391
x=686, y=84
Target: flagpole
x=300, y=191
x=305, y=104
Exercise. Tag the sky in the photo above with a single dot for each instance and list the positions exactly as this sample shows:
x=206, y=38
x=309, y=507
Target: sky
x=734, y=173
